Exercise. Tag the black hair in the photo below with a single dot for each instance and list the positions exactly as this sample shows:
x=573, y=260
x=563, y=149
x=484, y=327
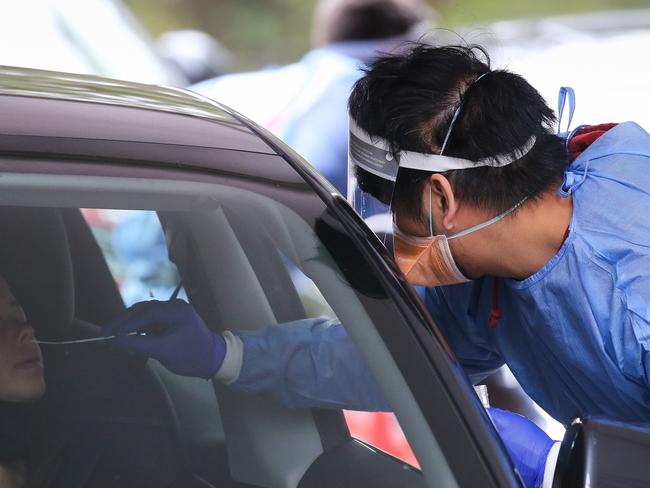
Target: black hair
x=409, y=99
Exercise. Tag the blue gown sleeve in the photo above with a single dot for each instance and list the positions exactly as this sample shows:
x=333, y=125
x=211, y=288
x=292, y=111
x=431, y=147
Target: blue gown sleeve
x=308, y=363
x=629, y=330
x=459, y=312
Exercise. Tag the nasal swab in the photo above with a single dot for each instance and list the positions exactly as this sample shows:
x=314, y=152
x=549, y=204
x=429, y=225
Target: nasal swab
x=81, y=341
x=106, y=338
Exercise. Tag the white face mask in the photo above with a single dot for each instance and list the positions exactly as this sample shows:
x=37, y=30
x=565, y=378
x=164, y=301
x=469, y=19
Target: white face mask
x=427, y=261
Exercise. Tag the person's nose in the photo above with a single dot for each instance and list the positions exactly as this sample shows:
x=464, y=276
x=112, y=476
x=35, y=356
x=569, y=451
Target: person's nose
x=25, y=333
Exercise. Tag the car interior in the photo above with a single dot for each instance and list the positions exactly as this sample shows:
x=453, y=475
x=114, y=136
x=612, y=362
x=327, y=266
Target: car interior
x=130, y=421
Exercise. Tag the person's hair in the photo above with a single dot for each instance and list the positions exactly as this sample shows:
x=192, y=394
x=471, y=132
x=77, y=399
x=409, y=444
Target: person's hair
x=351, y=20
x=409, y=99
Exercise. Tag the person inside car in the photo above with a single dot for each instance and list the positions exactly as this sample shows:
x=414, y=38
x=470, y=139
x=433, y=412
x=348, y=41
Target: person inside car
x=48, y=444
x=22, y=380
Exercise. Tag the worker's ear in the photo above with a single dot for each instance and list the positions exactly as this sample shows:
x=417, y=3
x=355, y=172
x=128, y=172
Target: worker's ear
x=444, y=205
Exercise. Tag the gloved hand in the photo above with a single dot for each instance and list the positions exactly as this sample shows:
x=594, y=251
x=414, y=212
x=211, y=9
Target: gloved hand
x=175, y=335
x=527, y=444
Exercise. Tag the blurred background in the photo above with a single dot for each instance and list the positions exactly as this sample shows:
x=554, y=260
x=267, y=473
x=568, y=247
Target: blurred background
x=592, y=44
x=296, y=68
x=246, y=27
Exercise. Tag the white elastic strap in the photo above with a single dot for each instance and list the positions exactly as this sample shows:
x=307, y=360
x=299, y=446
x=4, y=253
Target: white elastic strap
x=551, y=462
x=493, y=220
x=231, y=367
x=451, y=124
x=456, y=112
x=430, y=212
x=439, y=164
x=431, y=162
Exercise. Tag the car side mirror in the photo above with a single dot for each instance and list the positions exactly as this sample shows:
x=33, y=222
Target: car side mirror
x=602, y=452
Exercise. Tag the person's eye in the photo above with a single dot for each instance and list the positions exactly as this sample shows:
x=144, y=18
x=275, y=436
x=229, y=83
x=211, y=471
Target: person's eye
x=17, y=315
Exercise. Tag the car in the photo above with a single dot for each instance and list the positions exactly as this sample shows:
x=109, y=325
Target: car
x=256, y=237
x=66, y=35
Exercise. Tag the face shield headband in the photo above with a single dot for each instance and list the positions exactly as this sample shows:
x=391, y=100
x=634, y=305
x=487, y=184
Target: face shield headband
x=374, y=155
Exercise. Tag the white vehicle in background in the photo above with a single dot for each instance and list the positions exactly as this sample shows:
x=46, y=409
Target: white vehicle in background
x=103, y=37
x=98, y=37
x=603, y=56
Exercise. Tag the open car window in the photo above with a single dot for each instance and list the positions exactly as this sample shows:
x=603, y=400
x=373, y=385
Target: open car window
x=134, y=245
x=246, y=261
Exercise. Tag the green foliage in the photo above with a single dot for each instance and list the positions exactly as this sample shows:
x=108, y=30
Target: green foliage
x=262, y=32
x=461, y=12
x=258, y=32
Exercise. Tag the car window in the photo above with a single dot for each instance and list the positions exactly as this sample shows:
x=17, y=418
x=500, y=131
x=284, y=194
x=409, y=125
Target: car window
x=247, y=262
x=379, y=429
x=133, y=244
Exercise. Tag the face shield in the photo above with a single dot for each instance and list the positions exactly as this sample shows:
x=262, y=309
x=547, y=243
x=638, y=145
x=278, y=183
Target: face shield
x=373, y=169
x=372, y=172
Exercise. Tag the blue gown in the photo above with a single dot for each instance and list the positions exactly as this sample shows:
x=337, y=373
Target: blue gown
x=576, y=334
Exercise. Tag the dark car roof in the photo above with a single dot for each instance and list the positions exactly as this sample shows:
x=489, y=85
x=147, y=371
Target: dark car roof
x=61, y=115
x=118, y=110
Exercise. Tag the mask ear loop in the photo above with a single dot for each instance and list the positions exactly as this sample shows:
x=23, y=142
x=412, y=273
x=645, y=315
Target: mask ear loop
x=430, y=212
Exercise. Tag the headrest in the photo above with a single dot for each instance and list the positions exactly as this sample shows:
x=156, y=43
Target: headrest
x=35, y=261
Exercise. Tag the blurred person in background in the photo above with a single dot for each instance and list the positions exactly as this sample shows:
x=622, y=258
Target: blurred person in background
x=305, y=103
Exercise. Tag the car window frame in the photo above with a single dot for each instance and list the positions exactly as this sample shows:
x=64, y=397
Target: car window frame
x=447, y=421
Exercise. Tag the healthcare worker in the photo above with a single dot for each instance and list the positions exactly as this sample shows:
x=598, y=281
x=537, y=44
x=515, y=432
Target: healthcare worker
x=533, y=248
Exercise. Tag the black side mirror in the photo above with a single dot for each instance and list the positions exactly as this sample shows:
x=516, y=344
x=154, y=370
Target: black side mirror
x=601, y=452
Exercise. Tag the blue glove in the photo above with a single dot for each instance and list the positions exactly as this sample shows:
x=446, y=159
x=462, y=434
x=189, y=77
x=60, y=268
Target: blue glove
x=527, y=444
x=175, y=335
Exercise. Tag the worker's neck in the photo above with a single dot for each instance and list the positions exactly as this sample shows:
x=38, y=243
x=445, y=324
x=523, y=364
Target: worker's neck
x=520, y=245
